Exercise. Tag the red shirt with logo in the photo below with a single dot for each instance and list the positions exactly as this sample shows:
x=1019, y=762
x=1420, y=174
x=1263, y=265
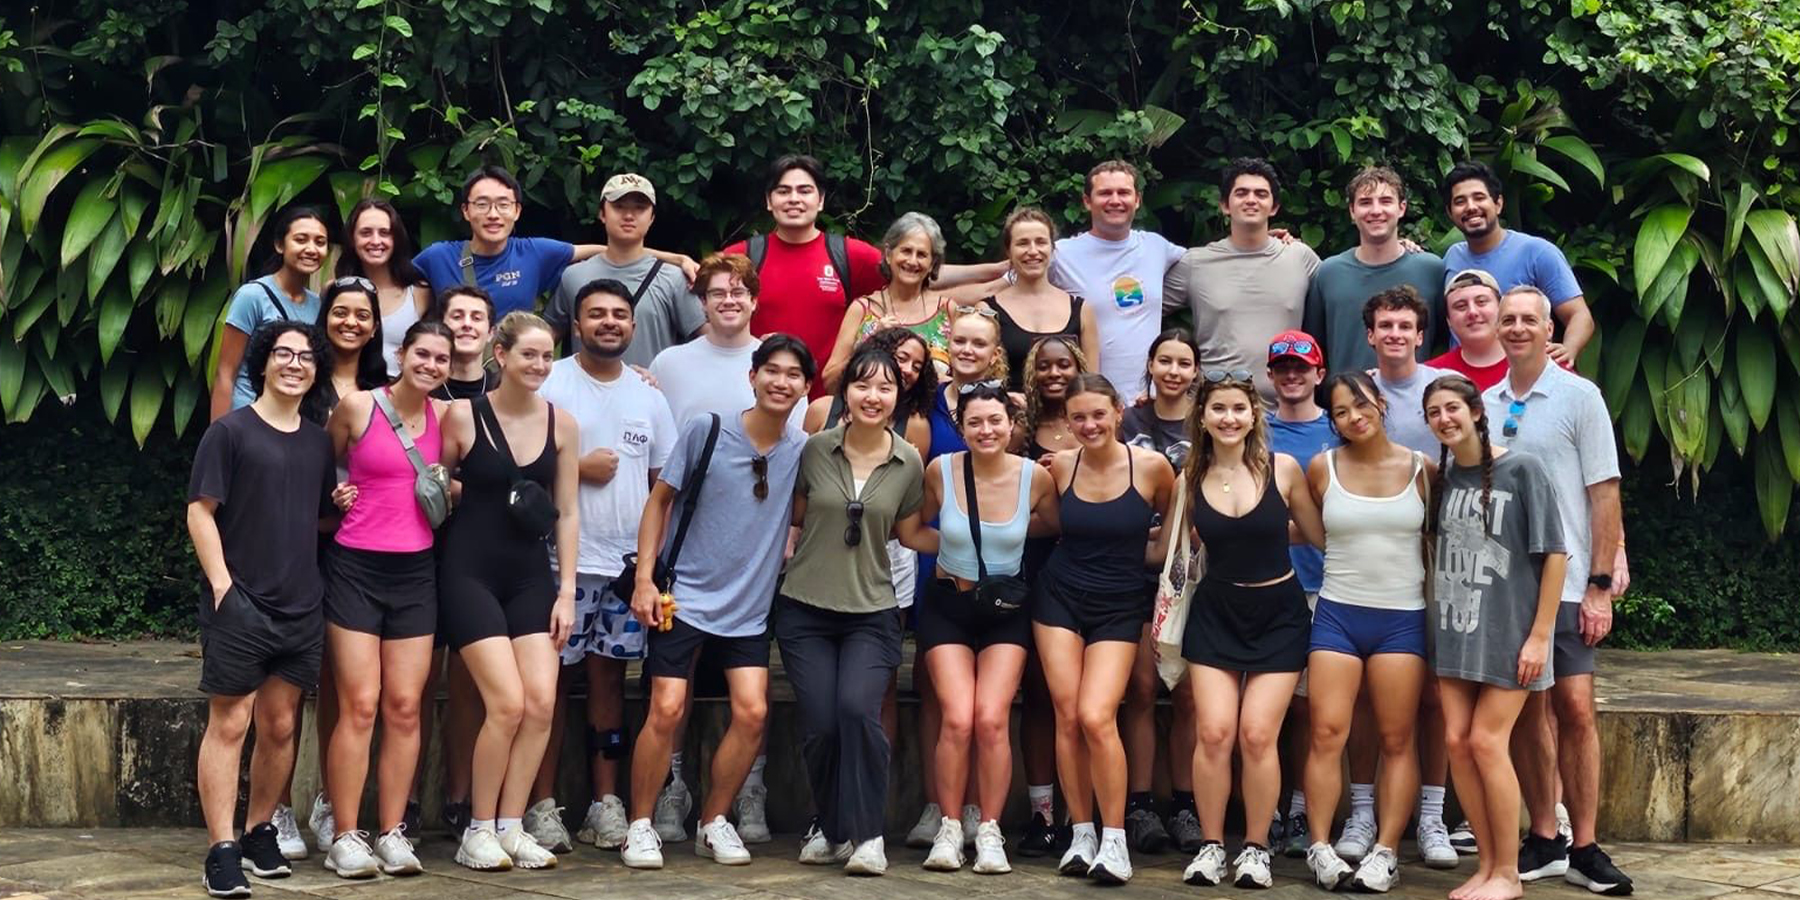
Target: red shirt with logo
x=803, y=294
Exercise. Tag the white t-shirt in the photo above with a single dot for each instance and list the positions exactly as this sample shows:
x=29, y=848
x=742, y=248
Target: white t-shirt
x=629, y=417
x=702, y=377
x=1122, y=282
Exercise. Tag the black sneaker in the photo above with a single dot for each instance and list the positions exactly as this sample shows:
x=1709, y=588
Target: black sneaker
x=224, y=875
x=456, y=818
x=1542, y=857
x=1039, y=839
x=1591, y=868
x=1144, y=832
x=262, y=853
x=414, y=828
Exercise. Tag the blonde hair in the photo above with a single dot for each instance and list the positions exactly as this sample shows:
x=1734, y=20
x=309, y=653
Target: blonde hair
x=997, y=370
x=513, y=326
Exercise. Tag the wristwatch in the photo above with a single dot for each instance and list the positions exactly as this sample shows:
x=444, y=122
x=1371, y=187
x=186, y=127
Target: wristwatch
x=1602, y=581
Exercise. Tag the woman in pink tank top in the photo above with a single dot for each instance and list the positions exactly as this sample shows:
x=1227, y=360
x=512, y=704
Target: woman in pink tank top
x=381, y=601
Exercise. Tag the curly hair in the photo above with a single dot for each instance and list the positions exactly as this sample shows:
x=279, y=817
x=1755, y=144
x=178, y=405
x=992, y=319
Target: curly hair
x=314, y=405
x=1034, y=399
x=916, y=400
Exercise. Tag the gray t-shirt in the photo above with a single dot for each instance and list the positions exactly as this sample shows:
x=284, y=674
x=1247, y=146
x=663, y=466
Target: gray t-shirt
x=1487, y=577
x=667, y=314
x=1343, y=284
x=1240, y=299
x=725, y=578
x=1405, y=422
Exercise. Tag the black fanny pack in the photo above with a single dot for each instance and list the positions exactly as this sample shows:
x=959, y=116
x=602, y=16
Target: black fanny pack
x=663, y=575
x=993, y=596
x=531, y=508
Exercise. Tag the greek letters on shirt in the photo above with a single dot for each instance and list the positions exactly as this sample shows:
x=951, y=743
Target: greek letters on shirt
x=507, y=279
x=1474, y=557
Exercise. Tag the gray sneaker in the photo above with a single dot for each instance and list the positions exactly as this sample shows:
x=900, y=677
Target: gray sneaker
x=673, y=804
x=1184, y=829
x=545, y=823
x=1144, y=832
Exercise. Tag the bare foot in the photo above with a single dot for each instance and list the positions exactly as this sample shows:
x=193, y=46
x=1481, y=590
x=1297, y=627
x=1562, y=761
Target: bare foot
x=1499, y=887
x=1464, y=890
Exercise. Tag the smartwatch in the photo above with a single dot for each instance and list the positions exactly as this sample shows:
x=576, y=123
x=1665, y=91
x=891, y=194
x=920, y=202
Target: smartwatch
x=1602, y=581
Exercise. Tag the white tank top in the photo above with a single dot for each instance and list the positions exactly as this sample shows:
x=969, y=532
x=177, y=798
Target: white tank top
x=393, y=329
x=1372, y=544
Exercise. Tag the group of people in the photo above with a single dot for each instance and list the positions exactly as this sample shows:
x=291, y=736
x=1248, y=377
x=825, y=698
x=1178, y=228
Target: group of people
x=415, y=482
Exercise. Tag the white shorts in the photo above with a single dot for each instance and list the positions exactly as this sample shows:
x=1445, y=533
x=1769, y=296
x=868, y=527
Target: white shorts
x=604, y=625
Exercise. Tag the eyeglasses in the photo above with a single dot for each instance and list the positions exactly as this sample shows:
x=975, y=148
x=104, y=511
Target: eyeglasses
x=1219, y=376
x=286, y=355
x=737, y=294
x=760, y=466
x=354, y=281
x=853, y=534
x=484, y=205
x=978, y=310
x=1280, y=347
x=973, y=386
x=1510, y=428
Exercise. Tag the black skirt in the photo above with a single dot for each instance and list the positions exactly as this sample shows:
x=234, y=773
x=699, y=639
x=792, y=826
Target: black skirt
x=1248, y=629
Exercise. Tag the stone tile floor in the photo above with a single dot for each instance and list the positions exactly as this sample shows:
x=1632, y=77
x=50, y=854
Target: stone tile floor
x=66, y=864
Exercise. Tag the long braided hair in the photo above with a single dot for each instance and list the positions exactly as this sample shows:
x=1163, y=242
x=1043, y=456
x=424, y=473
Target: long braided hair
x=1466, y=391
x=1034, y=399
x=1256, y=443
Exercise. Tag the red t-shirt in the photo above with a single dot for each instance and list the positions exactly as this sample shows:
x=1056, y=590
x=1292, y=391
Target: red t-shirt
x=803, y=295
x=1484, y=376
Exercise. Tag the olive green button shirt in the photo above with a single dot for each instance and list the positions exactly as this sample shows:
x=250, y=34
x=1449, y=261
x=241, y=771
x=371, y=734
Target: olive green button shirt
x=824, y=572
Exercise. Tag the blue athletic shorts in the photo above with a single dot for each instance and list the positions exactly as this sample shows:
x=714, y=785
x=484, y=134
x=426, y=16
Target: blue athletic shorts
x=1362, y=631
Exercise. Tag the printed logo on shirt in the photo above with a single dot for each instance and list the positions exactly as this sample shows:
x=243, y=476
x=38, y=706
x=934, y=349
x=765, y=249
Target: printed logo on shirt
x=507, y=279
x=634, y=438
x=1127, y=292
x=828, y=281
x=1474, y=558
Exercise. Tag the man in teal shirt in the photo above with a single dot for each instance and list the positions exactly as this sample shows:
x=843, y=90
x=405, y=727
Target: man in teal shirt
x=1379, y=261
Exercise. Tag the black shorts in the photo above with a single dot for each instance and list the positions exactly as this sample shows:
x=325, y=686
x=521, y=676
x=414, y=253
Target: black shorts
x=946, y=616
x=671, y=653
x=241, y=646
x=1096, y=616
x=472, y=607
x=389, y=595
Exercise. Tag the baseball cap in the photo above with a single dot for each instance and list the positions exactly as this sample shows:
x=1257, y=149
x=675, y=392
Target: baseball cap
x=618, y=186
x=1473, y=276
x=1297, y=344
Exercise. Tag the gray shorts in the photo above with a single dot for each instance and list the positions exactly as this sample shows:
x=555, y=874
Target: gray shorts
x=1570, y=655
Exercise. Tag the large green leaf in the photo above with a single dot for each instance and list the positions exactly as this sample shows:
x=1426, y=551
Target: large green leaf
x=13, y=152
x=1689, y=395
x=1774, y=486
x=281, y=180
x=1756, y=371
x=141, y=265
x=1748, y=292
x=1776, y=294
x=31, y=390
x=33, y=308
x=12, y=374
x=92, y=210
x=347, y=189
x=187, y=398
x=113, y=381
x=1734, y=415
x=1656, y=370
x=1774, y=232
x=50, y=170
x=1669, y=293
x=104, y=256
x=115, y=314
x=171, y=304
x=1529, y=165
x=1737, y=206
x=133, y=203
x=1619, y=364
x=147, y=391
x=1657, y=238
x=1578, y=151
x=1687, y=163
x=205, y=312
x=1787, y=418
x=1635, y=423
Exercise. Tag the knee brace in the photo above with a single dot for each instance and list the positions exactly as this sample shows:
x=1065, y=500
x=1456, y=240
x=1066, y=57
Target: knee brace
x=608, y=744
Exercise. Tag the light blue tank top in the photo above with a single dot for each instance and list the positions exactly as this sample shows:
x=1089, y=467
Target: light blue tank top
x=1002, y=543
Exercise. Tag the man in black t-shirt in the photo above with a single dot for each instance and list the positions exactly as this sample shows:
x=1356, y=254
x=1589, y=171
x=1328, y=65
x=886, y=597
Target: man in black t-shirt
x=469, y=312
x=262, y=481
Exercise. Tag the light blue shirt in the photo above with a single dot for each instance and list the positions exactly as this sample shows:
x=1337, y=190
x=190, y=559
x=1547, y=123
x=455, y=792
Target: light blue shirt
x=1520, y=259
x=1301, y=440
x=251, y=308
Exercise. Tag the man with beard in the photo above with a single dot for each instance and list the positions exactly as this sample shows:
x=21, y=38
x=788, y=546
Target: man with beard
x=626, y=434
x=1473, y=195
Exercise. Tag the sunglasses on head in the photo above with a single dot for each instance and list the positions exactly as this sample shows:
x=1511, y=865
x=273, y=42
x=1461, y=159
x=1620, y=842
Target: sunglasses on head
x=760, y=467
x=1220, y=376
x=1510, y=428
x=1280, y=347
x=977, y=310
x=973, y=386
x=354, y=281
x=854, y=512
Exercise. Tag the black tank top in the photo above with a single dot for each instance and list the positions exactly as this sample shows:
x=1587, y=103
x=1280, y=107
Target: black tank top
x=1017, y=341
x=1102, y=546
x=1249, y=548
x=482, y=528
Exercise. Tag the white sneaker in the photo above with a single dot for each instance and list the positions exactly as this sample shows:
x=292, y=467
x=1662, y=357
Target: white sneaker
x=322, y=823
x=1434, y=845
x=1563, y=827
x=924, y=832
x=673, y=804
x=525, y=850
x=817, y=850
x=718, y=840
x=480, y=850
x=751, y=807
x=1462, y=837
x=1251, y=868
x=287, y=833
x=869, y=858
x=544, y=822
x=643, y=846
x=1208, y=867
x=1379, y=871
x=990, y=850
x=395, y=851
x=1084, y=846
x=947, y=848
x=1354, y=841
x=1329, y=870
x=605, y=824
x=971, y=823
x=1112, y=865
x=350, y=856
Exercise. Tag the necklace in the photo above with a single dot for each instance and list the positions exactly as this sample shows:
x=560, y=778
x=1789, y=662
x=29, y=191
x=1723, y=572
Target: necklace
x=1225, y=478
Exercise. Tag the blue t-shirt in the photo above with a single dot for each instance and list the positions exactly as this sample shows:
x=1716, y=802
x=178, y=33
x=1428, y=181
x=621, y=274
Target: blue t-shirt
x=525, y=269
x=1301, y=440
x=1520, y=259
x=251, y=308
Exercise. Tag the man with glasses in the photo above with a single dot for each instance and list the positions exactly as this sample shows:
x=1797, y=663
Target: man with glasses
x=262, y=481
x=706, y=375
x=720, y=507
x=1560, y=418
x=626, y=435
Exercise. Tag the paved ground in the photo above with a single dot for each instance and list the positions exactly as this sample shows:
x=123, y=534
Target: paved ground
x=65, y=864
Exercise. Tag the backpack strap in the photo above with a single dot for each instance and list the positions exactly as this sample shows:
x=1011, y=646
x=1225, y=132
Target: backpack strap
x=837, y=249
x=279, y=309
x=757, y=248
x=692, y=500
x=468, y=265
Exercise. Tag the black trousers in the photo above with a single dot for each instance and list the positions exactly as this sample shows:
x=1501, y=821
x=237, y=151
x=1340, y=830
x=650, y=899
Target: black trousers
x=840, y=665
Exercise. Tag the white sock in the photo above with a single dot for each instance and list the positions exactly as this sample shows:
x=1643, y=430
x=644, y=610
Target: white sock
x=1431, y=803
x=1362, y=801
x=1043, y=800
x=1297, y=804
x=1112, y=834
x=503, y=825
x=675, y=766
x=477, y=825
x=1080, y=829
x=755, y=778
